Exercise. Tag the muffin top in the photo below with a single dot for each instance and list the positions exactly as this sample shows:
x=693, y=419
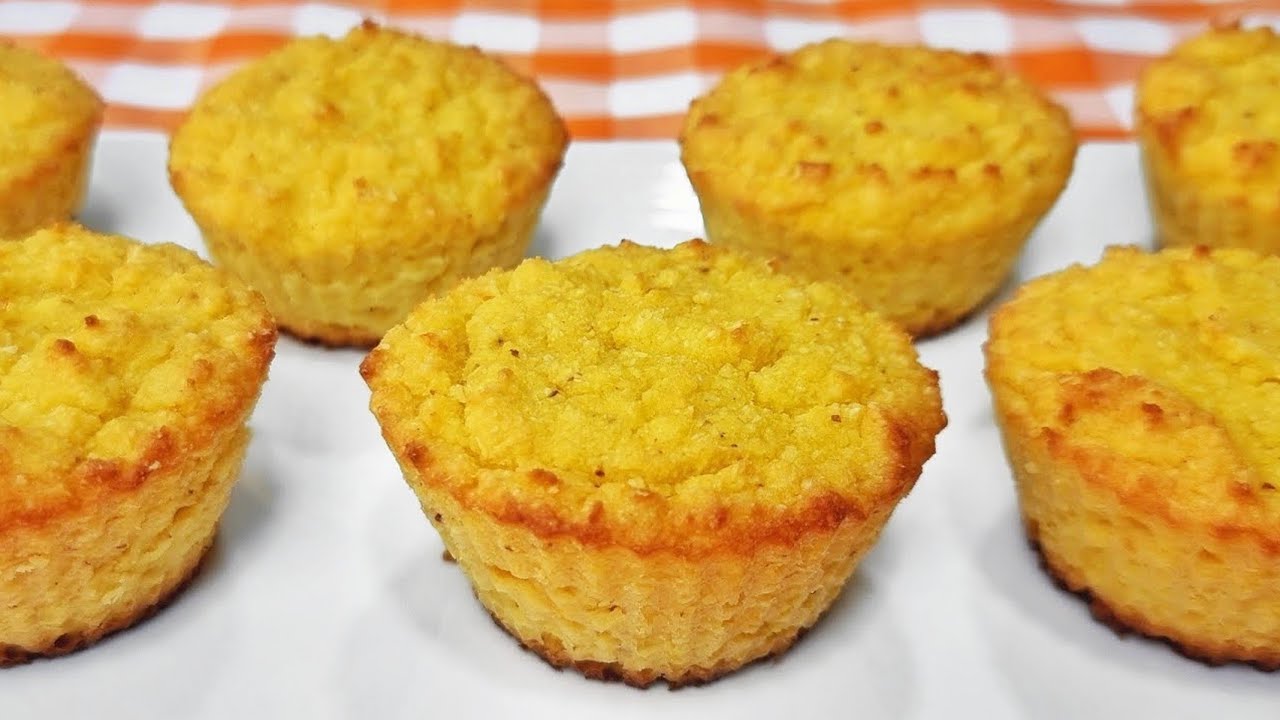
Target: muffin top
x=843, y=135
x=366, y=141
x=660, y=399
x=1211, y=111
x=117, y=361
x=43, y=105
x=1157, y=375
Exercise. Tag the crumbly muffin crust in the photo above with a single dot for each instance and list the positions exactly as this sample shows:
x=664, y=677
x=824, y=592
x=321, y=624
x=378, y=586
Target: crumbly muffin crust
x=1210, y=139
x=48, y=120
x=1136, y=403
x=350, y=179
x=126, y=376
x=670, y=434
x=70, y=642
x=913, y=175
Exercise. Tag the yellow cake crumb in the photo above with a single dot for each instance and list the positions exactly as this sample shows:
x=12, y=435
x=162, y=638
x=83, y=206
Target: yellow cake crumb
x=1138, y=399
x=350, y=179
x=126, y=375
x=1208, y=124
x=698, y=443
x=48, y=121
x=912, y=175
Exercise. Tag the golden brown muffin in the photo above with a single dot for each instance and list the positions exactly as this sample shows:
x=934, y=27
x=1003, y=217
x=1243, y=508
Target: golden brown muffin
x=654, y=464
x=48, y=121
x=914, y=176
x=1139, y=402
x=126, y=375
x=1208, y=125
x=348, y=180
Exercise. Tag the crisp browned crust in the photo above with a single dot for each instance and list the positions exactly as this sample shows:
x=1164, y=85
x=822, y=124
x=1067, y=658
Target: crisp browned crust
x=1125, y=623
x=560, y=659
x=112, y=477
x=78, y=639
x=739, y=533
x=166, y=446
x=1104, y=390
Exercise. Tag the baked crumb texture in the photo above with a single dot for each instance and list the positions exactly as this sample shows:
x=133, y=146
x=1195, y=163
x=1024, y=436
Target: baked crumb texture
x=348, y=180
x=913, y=176
x=1138, y=404
x=654, y=464
x=48, y=121
x=126, y=375
x=1208, y=125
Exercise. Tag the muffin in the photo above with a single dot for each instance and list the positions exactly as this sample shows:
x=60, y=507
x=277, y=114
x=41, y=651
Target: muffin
x=1139, y=402
x=654, y=464
x=1208, y=125
x=48, y=121
x=126, y=375
x=912, y=176
x=348, y=180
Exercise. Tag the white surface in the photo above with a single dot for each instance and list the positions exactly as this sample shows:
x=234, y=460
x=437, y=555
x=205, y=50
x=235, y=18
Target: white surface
x=655, y=30
x=1112, y=34
x=499, y=32
x=41, y=16
x=170, y=87
x=327, y=596
x=669, y=93
x=182, y=21
x=987, y=31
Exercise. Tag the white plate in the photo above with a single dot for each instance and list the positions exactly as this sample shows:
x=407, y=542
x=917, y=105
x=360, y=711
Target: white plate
x=327, y=596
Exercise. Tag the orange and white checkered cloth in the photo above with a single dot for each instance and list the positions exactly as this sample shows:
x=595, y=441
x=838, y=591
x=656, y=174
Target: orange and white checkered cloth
x=618, y=68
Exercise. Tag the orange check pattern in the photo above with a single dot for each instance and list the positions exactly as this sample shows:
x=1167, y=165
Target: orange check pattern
x=619, y=68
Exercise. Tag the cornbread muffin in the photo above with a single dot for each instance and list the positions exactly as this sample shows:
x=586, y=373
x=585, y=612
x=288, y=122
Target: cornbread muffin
x=126, y=375
x=48, y=121
x=1208, y=125
x=348, y=180
x=654, y=464
x=1139, y=402
x=914, y=176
